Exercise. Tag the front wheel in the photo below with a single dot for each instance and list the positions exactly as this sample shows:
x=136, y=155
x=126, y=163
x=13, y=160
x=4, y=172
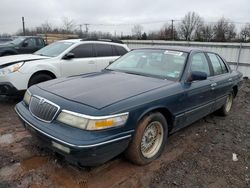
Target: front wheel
x=149, y=139
x=36, y=79
x=225, y=109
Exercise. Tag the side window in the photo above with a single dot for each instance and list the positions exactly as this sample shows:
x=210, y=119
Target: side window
x=224, y=67
x=103, y=50
x=120, y=50
x=39, y=42
x=199, y=63
x=83, y=50
x=31, y=42
x=215, y=64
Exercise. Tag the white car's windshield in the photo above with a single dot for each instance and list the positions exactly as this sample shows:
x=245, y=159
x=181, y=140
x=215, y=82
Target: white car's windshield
x=54, y=49
x=156, y=63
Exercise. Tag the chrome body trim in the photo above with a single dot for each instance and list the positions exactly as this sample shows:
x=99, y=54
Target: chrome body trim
x=73, y=145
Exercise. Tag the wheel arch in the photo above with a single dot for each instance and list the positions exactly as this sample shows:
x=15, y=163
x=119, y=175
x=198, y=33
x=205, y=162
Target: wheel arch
x=164, y=111
x=235, y=90
x=50, y=73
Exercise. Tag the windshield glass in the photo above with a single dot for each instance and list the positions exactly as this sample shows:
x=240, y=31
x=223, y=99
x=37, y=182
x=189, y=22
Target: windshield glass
x=17, y=40
x=54, y=49
x=156, y=63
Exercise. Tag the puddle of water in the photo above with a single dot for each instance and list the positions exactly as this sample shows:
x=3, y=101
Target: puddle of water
x=33, y=163
x=7, y=139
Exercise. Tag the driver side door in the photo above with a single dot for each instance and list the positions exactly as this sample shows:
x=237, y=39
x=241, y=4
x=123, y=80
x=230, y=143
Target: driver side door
x=82, y=62
x=28, y=46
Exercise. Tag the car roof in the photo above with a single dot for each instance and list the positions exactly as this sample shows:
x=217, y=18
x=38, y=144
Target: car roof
x=85, y=41
x=175, y=48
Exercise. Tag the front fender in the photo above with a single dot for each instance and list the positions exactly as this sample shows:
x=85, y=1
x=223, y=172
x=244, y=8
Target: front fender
x=33, y=67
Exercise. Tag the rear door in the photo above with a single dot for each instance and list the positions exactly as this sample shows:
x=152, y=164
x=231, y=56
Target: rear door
x=105, y=54
x=221, y=80
x=83, y=61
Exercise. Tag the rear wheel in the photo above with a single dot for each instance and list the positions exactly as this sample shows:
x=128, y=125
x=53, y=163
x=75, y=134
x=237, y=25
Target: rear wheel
x=38, y=79
x=225, y=109
x=149, y=139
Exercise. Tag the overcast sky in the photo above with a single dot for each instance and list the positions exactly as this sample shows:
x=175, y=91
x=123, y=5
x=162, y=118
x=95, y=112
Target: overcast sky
x=130, y=12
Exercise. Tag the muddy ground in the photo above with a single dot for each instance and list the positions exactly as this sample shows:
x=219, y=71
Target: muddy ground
x=200, y=155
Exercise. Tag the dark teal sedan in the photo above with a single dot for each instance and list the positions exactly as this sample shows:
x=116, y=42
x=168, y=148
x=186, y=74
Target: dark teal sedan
x=130, y=106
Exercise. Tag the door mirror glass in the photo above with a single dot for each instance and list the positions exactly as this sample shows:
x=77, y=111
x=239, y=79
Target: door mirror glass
x=69, y=56
x=197, y=75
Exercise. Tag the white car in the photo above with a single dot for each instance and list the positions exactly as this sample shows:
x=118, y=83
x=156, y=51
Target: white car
x=59, y=59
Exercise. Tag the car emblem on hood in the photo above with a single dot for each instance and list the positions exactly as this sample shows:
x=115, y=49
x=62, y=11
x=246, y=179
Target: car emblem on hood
x=41, y=101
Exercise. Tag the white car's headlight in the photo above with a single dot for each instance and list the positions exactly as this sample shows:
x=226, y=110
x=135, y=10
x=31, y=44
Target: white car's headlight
x=11, y=68
x=91, y=122
x=27, y=97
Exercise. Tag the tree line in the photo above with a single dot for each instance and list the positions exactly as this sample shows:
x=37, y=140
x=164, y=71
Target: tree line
x=191, y=27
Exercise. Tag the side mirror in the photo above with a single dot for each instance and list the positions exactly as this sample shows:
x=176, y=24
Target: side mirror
x=25, y=44
x=197, y=75
x=69, y=56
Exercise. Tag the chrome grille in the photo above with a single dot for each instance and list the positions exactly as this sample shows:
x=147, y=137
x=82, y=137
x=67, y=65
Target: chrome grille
x=43, y=109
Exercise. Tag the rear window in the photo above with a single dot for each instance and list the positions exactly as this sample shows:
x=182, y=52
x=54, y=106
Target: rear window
x=217, y=67
x=83, y=51
x=119, y=50
x=103, y=50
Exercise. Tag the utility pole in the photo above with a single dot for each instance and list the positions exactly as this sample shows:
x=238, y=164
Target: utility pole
x=172, y=29
x=86, y=28
x=80, y=30
x=23, y=26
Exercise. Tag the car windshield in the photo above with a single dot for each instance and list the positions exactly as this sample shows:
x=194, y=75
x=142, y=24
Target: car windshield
x=17, y=40
x=54, y=49
x=166, y=64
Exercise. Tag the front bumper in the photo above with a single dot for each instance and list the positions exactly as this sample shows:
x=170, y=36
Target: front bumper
x=80, y=152
x=13, y=82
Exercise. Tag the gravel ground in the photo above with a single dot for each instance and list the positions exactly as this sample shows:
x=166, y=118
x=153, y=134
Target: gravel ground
x=200, y=155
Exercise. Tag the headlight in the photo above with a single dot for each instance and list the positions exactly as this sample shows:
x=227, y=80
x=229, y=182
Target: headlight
x=11, y=68
x=91, y=122
x=27, y=97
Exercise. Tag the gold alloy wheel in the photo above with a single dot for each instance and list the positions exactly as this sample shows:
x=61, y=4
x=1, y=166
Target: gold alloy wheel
x=229, y=103
x=152, y=139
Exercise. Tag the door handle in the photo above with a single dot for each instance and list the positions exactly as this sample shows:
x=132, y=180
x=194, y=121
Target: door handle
x=214, y=84
x=230, y=79
x=91, y=62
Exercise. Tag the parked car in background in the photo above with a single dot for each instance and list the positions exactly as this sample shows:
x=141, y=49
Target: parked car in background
x=5, y=40
x=130, y=106
x=22, y=45
x=59, y=59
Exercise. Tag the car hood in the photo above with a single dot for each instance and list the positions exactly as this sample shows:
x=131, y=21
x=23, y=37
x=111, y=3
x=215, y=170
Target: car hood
x=8, y=60
x=100, y=90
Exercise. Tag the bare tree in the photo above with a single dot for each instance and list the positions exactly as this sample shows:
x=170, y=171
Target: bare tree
x=165, y=32
x=137, y=31
x=189, y=24
x=224, y=30
x=245, y=32
x=68, y=25
x=204, y=32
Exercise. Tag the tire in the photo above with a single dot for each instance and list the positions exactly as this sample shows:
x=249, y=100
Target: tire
x=139, y=150
x=225, y=109
x=38, y=79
